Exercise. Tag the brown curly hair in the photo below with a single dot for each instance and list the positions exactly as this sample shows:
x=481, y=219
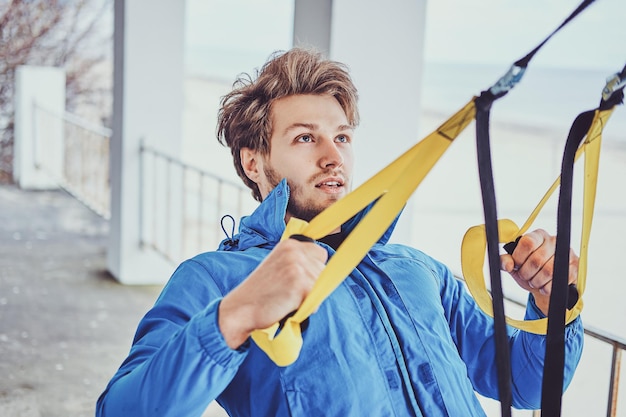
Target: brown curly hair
x=244, y=116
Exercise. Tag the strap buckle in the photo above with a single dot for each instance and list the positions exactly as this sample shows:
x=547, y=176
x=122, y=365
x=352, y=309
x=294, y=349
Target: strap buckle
x=508, y=80
x=613, y=83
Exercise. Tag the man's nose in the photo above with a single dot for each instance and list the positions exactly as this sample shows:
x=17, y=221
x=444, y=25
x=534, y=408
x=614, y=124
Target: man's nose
x=331, y=155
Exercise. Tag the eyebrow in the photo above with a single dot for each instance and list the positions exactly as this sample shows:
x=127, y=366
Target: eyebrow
x=313, y=126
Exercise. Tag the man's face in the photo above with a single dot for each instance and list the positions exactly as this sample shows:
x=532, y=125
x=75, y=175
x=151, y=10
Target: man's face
x=311, y=146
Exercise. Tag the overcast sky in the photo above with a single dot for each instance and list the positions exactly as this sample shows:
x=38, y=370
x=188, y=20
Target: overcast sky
x=476, y=30
x=484, y=31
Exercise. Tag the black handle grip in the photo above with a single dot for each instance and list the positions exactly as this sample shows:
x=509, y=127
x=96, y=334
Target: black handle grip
x=301, y=238
x=510, y=247
x=572, y=291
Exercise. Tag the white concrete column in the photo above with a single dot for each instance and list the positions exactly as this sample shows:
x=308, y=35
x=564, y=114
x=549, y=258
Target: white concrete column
x=39, y=109
x=312, y=23
x=383, y=45
x=148, y=105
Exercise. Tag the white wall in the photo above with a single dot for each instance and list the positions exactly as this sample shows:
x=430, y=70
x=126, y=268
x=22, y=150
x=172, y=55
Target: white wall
x=38, y=155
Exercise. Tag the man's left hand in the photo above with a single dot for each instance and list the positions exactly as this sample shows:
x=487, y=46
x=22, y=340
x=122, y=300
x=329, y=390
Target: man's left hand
x=532, y=265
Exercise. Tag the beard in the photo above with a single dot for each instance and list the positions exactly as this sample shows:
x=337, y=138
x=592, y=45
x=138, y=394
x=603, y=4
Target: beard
x=296, y=207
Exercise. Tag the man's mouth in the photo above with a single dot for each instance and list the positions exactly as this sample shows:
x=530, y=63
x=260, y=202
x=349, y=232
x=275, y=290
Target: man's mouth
x=329, y=184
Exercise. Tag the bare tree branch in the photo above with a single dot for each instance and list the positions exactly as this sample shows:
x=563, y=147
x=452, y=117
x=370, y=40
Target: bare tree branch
x=62, y=33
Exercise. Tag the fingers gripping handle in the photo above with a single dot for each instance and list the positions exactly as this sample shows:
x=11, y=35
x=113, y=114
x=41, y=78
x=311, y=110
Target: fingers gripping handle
x=283, y=340
x=305, y=323
x=572, y=291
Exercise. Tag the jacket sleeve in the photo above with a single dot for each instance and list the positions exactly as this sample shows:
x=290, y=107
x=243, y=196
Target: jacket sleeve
x=179, y=361
x=473, y=332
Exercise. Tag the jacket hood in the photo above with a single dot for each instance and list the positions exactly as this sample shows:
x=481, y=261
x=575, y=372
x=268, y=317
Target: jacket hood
x=266, y=224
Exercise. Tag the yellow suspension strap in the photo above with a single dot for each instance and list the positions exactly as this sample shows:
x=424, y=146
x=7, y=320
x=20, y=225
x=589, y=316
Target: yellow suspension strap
x=565, y=305
x=392, y=186
x=474, y=243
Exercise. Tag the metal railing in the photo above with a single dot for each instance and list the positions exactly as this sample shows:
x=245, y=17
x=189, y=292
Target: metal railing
x=183, y=208
x=200, y=198
x=85, y=173
x=617, y=344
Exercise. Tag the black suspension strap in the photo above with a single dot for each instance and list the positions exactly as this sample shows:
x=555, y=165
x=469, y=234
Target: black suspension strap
x=483, y=108
x=391, y=187
x=552, y=386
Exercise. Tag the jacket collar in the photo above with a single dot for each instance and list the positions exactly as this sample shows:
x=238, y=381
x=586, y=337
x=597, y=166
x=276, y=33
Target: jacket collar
x=267, y=223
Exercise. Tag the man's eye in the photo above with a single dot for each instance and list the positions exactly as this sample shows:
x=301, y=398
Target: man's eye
x=342, y=139
x=305, y=139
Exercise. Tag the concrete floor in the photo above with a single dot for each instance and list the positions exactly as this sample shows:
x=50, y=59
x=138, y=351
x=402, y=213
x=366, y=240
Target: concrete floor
x=65, y=324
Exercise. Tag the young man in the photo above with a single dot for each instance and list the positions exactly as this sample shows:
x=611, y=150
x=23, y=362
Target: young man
x=400, y=336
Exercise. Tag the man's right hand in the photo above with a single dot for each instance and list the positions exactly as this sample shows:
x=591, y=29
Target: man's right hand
x=273, y=290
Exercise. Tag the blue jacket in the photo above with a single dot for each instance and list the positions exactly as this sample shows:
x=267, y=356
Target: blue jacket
x=399, y=337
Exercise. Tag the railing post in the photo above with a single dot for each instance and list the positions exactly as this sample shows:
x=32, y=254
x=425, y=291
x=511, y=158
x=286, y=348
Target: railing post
x=142, y=191
x=616, y=363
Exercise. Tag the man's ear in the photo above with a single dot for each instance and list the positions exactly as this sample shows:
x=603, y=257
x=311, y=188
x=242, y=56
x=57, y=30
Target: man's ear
x=250, y=162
